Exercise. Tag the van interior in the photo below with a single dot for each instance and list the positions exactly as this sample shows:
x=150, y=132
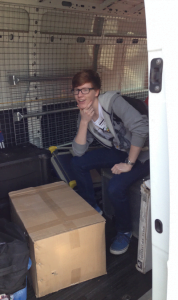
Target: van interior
x=43, y=44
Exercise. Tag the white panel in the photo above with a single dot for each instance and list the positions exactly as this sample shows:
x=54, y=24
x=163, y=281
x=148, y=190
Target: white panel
x=124, y=67
x=13, y=61
x=66, y=22
x=134, y=73
x=14, y=19
x=125, y=26
x=64, y=59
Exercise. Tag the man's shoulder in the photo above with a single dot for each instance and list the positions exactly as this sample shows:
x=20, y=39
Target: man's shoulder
x=108, y=94
x=107, y=98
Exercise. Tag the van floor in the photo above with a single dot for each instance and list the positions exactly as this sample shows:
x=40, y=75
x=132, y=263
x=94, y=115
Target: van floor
x=122, y=281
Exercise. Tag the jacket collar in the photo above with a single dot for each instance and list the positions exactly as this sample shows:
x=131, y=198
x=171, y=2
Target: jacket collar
x=106, y=100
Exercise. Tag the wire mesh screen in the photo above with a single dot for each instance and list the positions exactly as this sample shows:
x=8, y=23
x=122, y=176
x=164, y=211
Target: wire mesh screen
x=40, y=51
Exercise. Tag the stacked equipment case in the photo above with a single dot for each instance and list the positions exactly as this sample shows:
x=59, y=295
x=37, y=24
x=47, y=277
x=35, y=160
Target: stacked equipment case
x=21, y=167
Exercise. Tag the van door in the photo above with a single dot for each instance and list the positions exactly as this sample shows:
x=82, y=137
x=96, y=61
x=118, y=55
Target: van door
x=161, y=18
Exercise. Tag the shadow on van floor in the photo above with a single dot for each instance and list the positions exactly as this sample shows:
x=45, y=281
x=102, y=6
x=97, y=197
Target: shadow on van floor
x=122, y=282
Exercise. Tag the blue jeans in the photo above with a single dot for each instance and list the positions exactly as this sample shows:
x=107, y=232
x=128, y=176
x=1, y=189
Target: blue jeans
x=118, y=184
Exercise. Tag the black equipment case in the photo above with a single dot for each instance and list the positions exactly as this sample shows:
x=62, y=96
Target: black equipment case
x=22, y=167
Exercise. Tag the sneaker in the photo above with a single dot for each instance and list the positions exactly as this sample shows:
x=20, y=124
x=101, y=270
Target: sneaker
x=98, y=209
x=121, y=243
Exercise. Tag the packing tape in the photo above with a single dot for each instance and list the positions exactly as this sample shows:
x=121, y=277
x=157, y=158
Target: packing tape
x=43, y=226
x=75, y=276
x=60, y=214
x=62, y=218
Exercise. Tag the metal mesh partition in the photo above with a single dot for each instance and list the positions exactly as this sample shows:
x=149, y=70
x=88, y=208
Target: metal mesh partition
x=41, y=49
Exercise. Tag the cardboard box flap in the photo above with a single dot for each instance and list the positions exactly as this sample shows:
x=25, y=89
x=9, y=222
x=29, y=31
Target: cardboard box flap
x=52, y=209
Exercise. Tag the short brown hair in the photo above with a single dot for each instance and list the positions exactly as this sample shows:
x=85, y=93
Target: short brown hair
x=87, y=76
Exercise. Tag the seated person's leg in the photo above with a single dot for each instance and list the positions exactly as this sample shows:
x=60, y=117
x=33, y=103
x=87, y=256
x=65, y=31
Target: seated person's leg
x=99, y=158
x=118, y=195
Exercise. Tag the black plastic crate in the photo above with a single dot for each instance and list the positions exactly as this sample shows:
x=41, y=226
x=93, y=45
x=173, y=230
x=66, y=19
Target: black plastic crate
x=22, y=167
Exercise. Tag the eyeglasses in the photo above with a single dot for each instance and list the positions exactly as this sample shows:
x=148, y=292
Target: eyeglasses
x=83, y=91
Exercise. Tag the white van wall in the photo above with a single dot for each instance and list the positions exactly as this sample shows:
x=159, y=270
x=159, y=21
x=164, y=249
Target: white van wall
x=42, y=45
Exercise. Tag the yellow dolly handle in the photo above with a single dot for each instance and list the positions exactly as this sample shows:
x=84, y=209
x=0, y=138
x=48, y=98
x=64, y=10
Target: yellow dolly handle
x=72, y=183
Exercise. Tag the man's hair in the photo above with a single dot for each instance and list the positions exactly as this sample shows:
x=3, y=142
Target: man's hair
x=86, y=76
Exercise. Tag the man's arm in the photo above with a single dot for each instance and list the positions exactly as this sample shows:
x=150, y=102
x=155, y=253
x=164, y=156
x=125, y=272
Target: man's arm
x=82, y=133
x=124, y=167
x=137, y=125
x=81, y=142
x=86, y=116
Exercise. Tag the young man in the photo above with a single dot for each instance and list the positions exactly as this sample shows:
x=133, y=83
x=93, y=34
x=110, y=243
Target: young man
x=123, y=132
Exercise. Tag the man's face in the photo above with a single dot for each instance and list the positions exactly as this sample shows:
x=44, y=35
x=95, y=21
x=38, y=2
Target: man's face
x=84, y=99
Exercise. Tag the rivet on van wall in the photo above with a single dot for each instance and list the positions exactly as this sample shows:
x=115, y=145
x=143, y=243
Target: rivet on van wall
x=11, y=37
x=119, y=41
x=80, y=40
x=135, y=41
x=66, y=3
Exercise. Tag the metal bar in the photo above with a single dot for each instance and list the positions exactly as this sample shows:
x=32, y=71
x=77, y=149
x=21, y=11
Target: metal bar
x=95, y=56
x=18, y=116
x=14, y=80
x=126, y=36
x=72, y=34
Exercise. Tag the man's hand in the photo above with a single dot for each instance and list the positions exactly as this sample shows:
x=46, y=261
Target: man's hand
x=121, y=168
x=87, y=113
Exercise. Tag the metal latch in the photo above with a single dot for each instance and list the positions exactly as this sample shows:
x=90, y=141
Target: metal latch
x=156, y=75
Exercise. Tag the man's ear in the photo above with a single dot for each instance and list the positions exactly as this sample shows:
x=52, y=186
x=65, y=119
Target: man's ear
x=97, y=92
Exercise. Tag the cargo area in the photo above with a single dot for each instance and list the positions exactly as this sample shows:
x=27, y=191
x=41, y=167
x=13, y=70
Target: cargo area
x=41, y=50
x=43, y=44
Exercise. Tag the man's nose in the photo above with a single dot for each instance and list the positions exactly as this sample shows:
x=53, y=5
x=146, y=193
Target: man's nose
x=79, y=93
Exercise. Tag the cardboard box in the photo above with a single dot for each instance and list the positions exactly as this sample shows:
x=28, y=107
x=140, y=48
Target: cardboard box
x=66, y=235
x=144, y=256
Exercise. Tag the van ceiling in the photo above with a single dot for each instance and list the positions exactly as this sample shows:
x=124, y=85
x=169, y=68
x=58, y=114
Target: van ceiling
x=131, y=7
x=126, y=8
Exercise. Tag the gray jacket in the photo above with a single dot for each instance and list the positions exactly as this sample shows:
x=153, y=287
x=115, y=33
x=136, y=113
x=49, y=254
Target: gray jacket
x=126, y=124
